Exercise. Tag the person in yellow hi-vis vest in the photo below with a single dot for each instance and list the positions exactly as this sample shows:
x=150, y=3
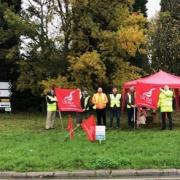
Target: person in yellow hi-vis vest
x=51, y=109
x=165, y=104
x=115, y=104
x=100, y=101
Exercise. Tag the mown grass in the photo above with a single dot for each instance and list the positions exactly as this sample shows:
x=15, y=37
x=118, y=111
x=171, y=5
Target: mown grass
x=26, y=146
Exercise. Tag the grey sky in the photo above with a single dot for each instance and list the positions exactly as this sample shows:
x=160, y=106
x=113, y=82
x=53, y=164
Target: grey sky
x=153, y=7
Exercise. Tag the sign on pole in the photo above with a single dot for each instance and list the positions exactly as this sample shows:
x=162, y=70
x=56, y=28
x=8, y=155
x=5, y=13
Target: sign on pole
x=5, y=100
x=5, y=85
x=100, y=133
x=5, y=104
x=8, y=109
x=5, y=93
x=5, y=96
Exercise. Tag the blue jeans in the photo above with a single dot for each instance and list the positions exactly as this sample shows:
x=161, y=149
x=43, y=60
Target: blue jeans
x=115, y=113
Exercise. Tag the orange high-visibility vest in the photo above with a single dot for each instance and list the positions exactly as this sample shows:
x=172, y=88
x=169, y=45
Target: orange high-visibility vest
x=99, y=100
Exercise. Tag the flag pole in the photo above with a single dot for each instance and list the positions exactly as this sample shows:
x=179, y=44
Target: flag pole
x=134, y=117
x=60, y=116
x=66, y=137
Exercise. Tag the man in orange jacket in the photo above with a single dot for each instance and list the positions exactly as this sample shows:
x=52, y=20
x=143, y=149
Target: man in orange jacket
x=100, y=101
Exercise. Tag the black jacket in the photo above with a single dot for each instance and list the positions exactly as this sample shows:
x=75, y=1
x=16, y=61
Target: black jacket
x=128, y=100
x=88, y=105
x=48, y=100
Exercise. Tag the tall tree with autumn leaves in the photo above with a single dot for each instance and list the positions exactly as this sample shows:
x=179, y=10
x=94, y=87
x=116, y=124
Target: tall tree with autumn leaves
x=94, y=44
x=112, y=31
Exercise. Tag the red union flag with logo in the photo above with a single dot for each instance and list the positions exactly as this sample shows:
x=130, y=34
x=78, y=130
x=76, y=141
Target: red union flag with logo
x=68, y=99
x=147, y=95
x=89, y=127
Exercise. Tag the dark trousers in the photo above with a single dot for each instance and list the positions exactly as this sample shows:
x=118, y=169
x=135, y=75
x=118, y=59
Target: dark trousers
x=163, y=116
x=101, y=115
x=80, y=116
x=130, y=112
x=115, y=113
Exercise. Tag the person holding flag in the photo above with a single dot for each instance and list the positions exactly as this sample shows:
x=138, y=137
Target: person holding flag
x=86, y=102
x=115, y=103
x=51, y=101
x=130, y=105
x=165, y=104
x=100, y=101
x=85, y=105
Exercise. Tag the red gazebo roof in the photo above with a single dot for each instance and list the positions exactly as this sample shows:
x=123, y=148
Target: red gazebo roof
x=160, y=78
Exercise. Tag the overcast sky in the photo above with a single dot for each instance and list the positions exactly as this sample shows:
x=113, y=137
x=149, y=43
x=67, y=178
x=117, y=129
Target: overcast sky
x=153, y=7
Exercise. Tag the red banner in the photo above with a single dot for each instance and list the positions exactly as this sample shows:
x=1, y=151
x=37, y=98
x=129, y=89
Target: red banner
x=147, y=95
x=89, y=127
x=68, y=99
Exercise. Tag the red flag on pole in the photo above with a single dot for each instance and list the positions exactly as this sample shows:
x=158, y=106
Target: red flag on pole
x=89, y=126
x=70, y=128
x=68, y=100
x=147, y=95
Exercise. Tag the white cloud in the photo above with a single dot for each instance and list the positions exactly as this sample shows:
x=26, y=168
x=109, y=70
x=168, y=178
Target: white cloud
x=153, y=7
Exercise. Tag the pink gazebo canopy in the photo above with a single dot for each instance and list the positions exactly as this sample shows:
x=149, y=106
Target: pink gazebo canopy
x=158, y=79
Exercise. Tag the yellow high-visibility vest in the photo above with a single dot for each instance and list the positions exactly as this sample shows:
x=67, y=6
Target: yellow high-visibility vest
x=115, y=100
x=52, y=106
x=166, y=101
x=86, y=102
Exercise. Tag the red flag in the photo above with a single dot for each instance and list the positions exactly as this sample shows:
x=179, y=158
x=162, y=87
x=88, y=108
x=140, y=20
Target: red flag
x=70, y=128
x=89, y=126
x=68, y=99
x=147, y=95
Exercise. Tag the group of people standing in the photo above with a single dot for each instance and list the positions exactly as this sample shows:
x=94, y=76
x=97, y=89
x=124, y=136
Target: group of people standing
x=99, y=103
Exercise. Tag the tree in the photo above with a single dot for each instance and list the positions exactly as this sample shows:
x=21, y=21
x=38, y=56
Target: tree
x=63, y=10
x=60, y=81
x=125, y=72
x=43, y=56
x=172, y=7
x=9, y=41
x=111, y=29
x=164, y=39
x=105, y=33
x=140, y=60
x=140, y=5
x=87, y=70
